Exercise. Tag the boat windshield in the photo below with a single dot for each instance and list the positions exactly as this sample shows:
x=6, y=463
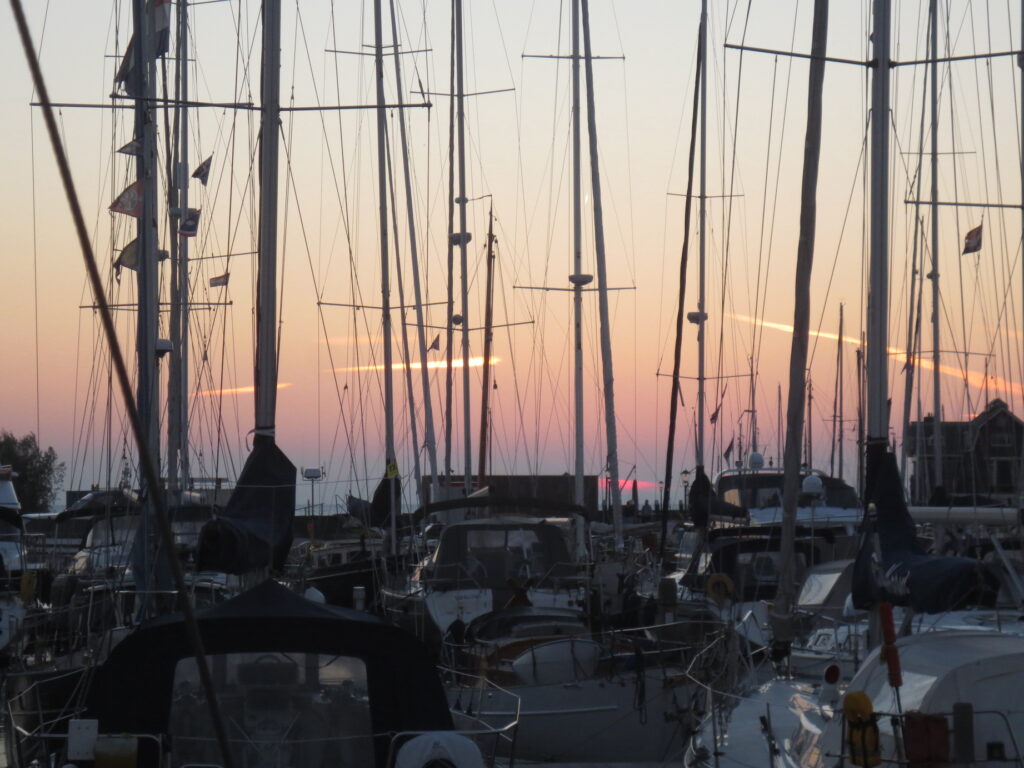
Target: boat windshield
x=281, y=710
x=489, y=556
x=755, y=491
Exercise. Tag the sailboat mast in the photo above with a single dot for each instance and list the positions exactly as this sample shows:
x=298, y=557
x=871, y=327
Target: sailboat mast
x=429, y=440
x=795, y=414
x=485, y=395
x=602, y=285
x=753, y=407
x=778, y=423
x=390, y=458
x=266, y=283
x=1020, y=64
x=178, y=376
x=449, y=333
x=914, y=304
x=878, y=318
x=673, y=408
x=404, y=330
x=577, y=261
x=702, y=248
x=460, y=112
x=936, y=389
x=148, y=286
x=839, y=377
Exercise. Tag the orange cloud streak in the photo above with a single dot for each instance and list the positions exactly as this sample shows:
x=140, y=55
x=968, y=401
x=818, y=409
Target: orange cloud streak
x=974, y=378
x=236, y=390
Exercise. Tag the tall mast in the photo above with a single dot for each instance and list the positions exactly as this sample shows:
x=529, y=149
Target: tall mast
x=390, y=459
x=753, y=406
x=460, y=97
x=702, y=217
x=407, y=368
x=914, y=313
x=429, y=440
x=148, y=281
x=673, y=408
x=786, y=596
x=936, y=390
x=450, y=327
x=839, y=376
x=878, y=319
x=1020, y=64
x=602, y=285
x=178, y=377
x=778, y=424
x=577, y=262
x=485, y=395
x=266, y=283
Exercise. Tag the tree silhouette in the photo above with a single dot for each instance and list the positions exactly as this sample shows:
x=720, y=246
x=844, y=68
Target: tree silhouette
x=39, y=474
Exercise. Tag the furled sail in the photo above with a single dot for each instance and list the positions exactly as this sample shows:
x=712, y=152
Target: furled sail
x=891, y=564
x=255, y=529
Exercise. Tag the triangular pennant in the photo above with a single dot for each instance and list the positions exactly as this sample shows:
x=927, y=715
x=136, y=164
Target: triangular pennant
x=128, y=258
x=130, y=201
x=203, y=171
x=972, y=241
x=133, y=147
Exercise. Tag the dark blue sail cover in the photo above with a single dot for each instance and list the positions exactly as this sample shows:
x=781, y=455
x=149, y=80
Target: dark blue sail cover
x=255, y=529
x=891, y=564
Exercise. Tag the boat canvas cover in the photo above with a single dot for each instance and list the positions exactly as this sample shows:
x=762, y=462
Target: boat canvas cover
x=132, y=689
x=255, y=529
x=902, y=573
x=942, y=668
x=705, y=504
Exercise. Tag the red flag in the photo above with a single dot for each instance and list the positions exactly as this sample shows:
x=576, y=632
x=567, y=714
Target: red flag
x=130, y=201
x=972, y=242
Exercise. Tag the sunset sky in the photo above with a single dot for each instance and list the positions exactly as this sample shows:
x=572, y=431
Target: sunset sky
x=519, y=152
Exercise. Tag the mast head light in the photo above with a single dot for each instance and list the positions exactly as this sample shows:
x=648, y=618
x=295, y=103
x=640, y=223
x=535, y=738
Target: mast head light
x=581, y=280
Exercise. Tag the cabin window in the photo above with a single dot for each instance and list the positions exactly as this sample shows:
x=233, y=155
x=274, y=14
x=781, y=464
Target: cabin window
x=280, y=709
